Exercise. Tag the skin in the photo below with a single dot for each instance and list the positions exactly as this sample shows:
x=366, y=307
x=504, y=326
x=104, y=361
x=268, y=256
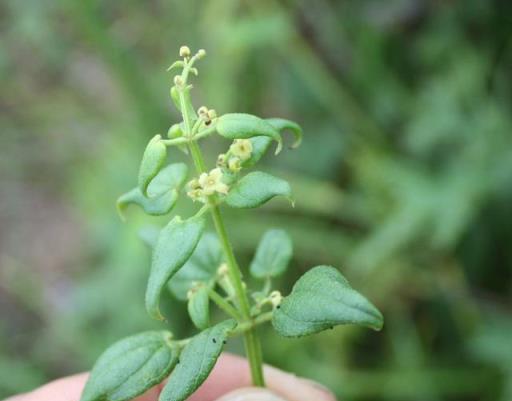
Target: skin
x=229, y=381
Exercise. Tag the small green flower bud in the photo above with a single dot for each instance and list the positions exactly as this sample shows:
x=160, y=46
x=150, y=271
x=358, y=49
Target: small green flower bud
x=175, y=131
x=184, y=51
x=221, y=160
x=234, y=165
x=201, y=53
x=178, y=81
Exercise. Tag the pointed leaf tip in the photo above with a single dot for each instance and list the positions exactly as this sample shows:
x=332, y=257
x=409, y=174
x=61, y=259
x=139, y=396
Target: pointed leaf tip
x=281, y=124
x=320, y=299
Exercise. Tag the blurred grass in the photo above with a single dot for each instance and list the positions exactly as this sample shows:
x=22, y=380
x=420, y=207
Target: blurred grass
x=404, y=180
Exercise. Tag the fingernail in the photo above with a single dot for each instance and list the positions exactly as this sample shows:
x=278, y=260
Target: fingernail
x=251, y=394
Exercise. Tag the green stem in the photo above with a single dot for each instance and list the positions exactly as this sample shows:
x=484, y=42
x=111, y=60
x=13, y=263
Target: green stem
x=252, y=344
x=224, y=305
x=251, y=341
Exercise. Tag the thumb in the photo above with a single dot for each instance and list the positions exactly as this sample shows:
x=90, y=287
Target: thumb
x=282, y=386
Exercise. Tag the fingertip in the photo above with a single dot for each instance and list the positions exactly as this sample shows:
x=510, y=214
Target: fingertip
x=251, y=394
x=294, y=388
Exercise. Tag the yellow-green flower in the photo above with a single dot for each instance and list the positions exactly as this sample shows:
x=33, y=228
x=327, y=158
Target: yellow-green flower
x=234, y=165
x=212, y=182
x=241, y=148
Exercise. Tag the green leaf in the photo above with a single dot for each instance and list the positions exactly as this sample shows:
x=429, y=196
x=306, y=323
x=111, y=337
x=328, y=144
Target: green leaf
x=196, y=362
x=171, y=177
x=199, y=307
x=156, y=206
x=149, y=235
x=321, y=299
x=174, y=246
x=260, y=145
x=152, y=161
x=162, y=192
x=272, y=255
x=201, y=267
x=255, y=189
x=130, y=367
x=281, y=124
x=244, y=126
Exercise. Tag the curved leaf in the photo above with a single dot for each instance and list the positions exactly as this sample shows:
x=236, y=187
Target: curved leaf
x=281, y=124
x=174, y=246
x=162, y=192
x=149, y=235
x=255, y=189
x=260, y=145
x=152, y=161
x=196, y=362
x=321, y=299
x=272, y=255
x=199, y=307
x=202, y=266
x=130, y=367
x=244, y=126
x=156, y=206
x=172, y=176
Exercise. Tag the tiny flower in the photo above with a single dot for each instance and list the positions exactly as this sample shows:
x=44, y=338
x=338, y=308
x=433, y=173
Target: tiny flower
x=202, y=111
x=276, y=298
x=201, y=53
x=241, y=148
x=221, y=160
x=178, y=80
x=212, y=114
x=222, y=270
x=184, y=51
x=196, y=195
x=234, y=165
x=212, y=182
x=193, y=184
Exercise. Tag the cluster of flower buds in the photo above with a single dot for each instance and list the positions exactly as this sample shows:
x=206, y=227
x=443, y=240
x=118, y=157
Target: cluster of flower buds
x=207, y=115
x=185, y=53
x=239, y=151
x=206, y=185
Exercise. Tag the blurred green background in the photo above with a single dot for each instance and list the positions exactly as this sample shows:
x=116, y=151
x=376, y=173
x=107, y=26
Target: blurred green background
x=404, y=179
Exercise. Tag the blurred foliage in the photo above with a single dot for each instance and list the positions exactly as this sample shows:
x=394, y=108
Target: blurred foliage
x=404, y=179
